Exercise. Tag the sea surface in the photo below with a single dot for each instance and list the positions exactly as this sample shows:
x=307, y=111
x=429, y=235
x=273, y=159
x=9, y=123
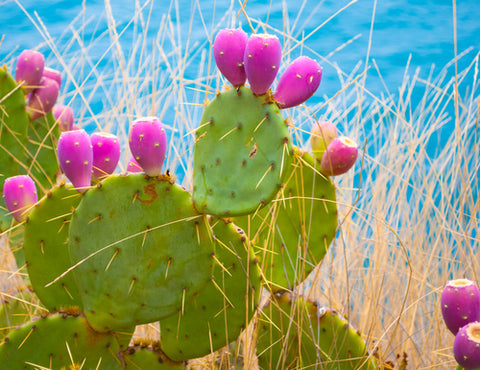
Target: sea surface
x=390, y=33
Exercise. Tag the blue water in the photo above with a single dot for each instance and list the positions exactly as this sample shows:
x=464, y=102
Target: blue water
x=422, y=30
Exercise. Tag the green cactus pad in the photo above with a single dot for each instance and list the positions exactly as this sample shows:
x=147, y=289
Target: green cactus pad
x=46, y=247
x=41, y=154
x=242, y=154
x=149, y=356
x=13, y=135
x=219, y=312
x=296, y=333
x=58, y=341
x=294, y=231
x=140, y=250
x=17, y=310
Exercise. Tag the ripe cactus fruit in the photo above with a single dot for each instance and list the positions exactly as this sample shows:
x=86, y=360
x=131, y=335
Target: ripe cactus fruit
x=219, y=312
x=297, y=333
x=322, y=134
x=29, y=69
x=139, y=250
x=20, y=195
x=13, y=134
x=46, y=244
x=43, y=98
x=229, y=51
x=53, y=74
x=339, y=157
x=75, y=154
x=460, y=302
x=294, y=232
x=466, y=346
x=60, y=341
x=148, y=144
x=106, y=153
x=133, y=165
x=64, y=117
x=298, y=82
x=262, y=61
x=242, y=154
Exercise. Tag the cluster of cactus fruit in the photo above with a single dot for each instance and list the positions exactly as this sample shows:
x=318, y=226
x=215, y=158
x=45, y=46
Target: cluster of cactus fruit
x=106, y=252
x=460, y=302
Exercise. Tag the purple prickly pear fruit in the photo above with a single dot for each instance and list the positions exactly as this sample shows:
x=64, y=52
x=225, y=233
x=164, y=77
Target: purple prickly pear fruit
x=148, y=144
x=298, y=82
x=43, y=98
x=29, y=69
x=466, y=346
x=75, y=154
x=20, y=194
x=322, y=134
x=106, y=153
x=53, y=74
x=262, y=60
x=133, y=165
x=460, y=302
x=64, y=117
x=339, y=157
x=229, y=50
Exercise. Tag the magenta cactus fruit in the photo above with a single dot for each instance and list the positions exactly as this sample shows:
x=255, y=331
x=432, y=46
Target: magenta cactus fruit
x=133, y=165
x=106, y=153
x=298, y=82
x=53, y=74
x=322, y=134
x=466, y=346
x=228, y=51
x=339, y=157
x=64, y=117
x=43, y=98
x=262, y=60
x=460, y=302
x=20, y=194
x=148, y=144
x=75, y=154
x=29, y=69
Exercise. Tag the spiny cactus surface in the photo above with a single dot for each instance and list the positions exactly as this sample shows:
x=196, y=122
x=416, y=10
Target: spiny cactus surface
x=297, y=333
x=218, y=313
x=59, y=341
x=46, y=248
x=294, y=231
x=141, y=251
x=242, y=154
x=13, y=134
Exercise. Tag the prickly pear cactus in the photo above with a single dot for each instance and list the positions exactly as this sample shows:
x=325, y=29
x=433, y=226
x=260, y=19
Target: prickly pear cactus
x=18, y=309
x=148, y=355
x=296, y=333
x=58, y=341
x=294, y=232
x=218, y=313
x=139, y=249
x=13, y=134
x=40, y=156
x=242, y=154
x=46, y=248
